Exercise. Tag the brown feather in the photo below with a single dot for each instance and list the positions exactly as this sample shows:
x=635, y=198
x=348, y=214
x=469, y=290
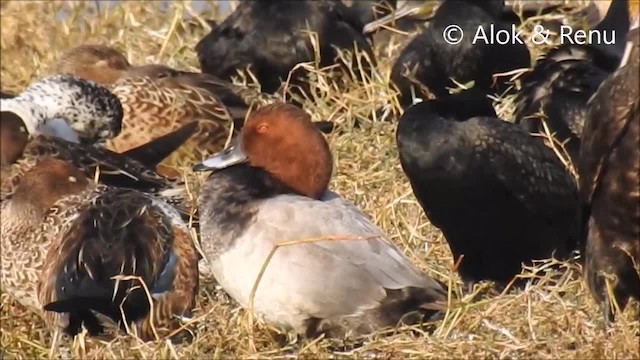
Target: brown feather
x=609, y=170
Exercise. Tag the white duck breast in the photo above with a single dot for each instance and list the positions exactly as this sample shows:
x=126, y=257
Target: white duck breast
x=325, y=279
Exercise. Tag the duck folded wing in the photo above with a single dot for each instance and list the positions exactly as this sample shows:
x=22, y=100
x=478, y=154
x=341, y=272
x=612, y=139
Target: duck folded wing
x=346, y=275
x=600, y=137
x=544, y=183
x=99, y=262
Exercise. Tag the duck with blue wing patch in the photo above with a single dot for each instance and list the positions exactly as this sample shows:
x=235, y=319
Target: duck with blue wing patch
x=110, y=237
x=73, y=239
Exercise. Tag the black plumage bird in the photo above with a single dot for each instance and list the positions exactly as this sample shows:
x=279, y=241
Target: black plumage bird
x=430, y=61
x=271, y=37
x=369, y=10
x=500, y=197
x=561, y=83
x=609, y=169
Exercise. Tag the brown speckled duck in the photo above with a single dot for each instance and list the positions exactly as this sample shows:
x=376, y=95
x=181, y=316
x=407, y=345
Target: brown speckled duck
x=40, y=170
x=77, y=112
x=71, y=237
x=157, y=99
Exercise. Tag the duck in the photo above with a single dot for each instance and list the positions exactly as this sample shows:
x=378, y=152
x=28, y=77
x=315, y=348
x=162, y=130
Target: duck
x=65, y=238
x=137, y=85
x=69, y=118
x=157, y=99
x=271, y=38
x=370, y=10
x=67, y=106
x=609, y=192
x=557, y=88
x=269, y=187
x=429, y=61
x=500, y=197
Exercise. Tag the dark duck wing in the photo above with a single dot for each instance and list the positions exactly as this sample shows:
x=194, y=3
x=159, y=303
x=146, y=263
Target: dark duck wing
x=119, y=232
x=500, y=197
x=561, y=82
x=271, y=38
x=133, y=169
x=609, y=168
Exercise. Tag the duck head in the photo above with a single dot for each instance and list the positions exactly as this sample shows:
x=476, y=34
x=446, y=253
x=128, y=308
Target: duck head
x=281, y=140
x=68, y=107
x=44, y=184
x=153, y=71
x=99, y=63
x=13, y=138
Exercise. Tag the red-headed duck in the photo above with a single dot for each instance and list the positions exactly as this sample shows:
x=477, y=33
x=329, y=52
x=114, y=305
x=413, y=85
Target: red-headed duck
x=64, y=239
x=270, y=186
x=499, y=196
x=609, y=169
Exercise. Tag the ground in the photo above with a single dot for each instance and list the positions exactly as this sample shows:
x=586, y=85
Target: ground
x=546, y=320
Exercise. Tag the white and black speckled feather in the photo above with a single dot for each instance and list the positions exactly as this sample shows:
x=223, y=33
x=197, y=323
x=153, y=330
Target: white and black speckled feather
x=89, y=109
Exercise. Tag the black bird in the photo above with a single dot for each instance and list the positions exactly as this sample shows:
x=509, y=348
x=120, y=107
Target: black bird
x=609, y=169
x=500, y=197
x=561, y=83
x=370, y=10
x=430, y=61
x=271, y=37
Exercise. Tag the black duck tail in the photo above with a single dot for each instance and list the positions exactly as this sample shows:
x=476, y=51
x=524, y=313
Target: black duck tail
x=114, y=260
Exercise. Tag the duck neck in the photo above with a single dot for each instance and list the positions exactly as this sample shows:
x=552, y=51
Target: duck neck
x=228, y=201
x=20, y=218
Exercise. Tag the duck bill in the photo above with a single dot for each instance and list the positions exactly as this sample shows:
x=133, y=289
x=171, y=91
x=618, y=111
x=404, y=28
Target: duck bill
x=404, y=8
x=230, y=156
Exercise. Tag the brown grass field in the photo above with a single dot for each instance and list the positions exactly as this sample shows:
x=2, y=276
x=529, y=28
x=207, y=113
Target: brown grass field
x=551, y=319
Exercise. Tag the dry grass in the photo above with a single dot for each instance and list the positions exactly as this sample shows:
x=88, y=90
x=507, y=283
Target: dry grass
x=546, y=320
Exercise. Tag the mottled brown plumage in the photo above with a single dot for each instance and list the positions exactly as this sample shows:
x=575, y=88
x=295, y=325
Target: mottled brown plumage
x=609, y=169
x=72, y=237
x=157, y=99
x=23, y=251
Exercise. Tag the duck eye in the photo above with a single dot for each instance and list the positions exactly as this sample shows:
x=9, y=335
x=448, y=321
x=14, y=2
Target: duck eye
x=262, y=128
